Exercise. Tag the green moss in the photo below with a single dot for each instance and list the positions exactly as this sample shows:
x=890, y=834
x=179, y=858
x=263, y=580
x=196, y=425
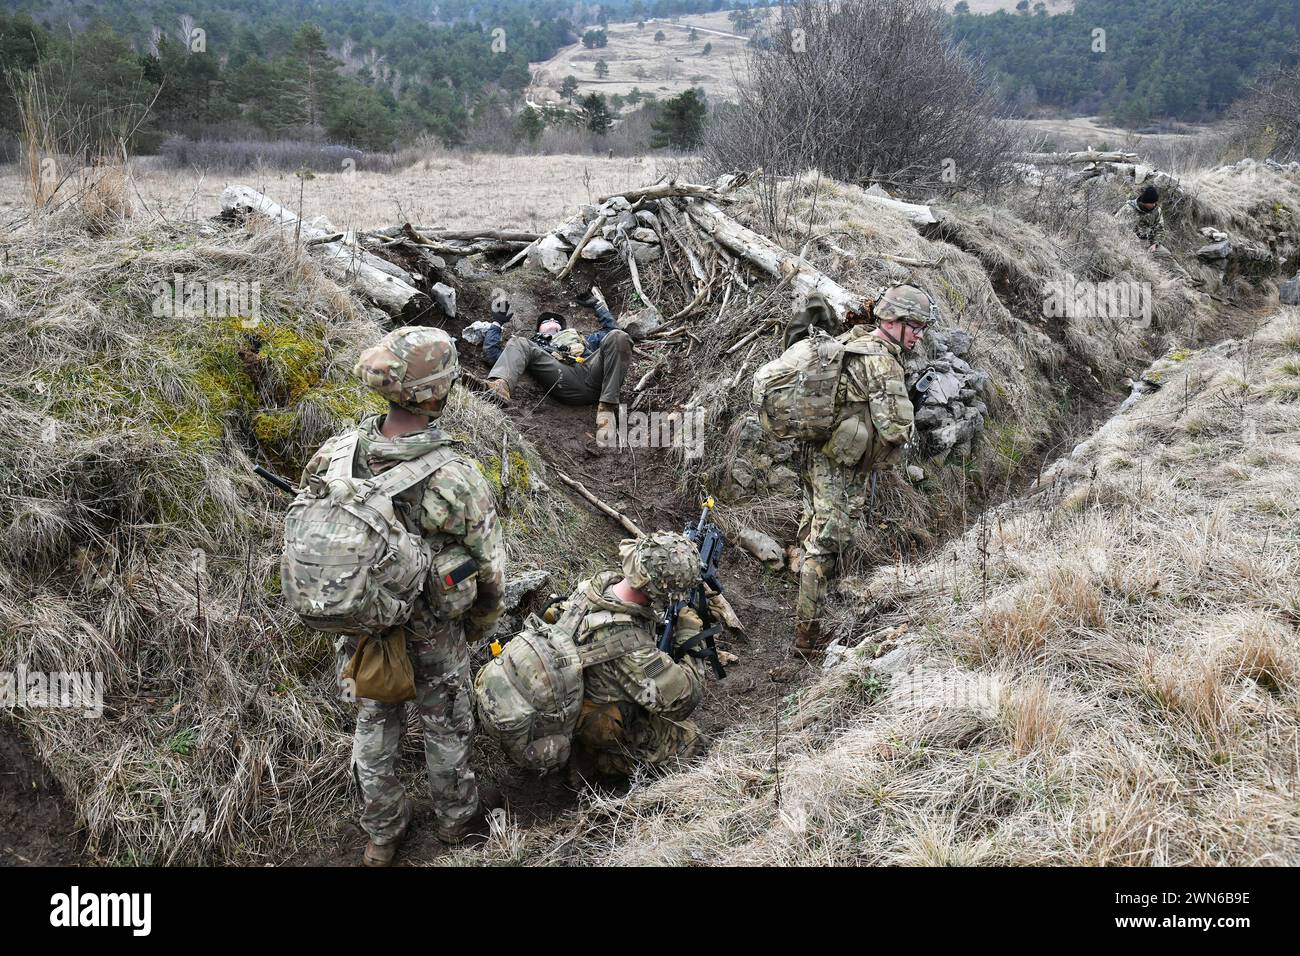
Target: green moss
x=276, y=425
x=491, y=469
x=348, y=400
x=520, y=474
x=299, y=361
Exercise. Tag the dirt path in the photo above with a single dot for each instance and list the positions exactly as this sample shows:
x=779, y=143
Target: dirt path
x=37, y=826
x=642, y=483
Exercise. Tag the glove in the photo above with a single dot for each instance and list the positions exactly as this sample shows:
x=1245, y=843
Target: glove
x=501, y=311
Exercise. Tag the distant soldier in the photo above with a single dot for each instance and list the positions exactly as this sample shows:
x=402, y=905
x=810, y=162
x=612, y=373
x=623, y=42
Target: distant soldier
x=1145, y=217
x=448, y=504
x=846, y=398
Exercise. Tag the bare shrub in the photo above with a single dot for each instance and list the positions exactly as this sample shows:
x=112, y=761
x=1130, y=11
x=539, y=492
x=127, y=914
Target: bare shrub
x=873, y=90
x=1269, y=119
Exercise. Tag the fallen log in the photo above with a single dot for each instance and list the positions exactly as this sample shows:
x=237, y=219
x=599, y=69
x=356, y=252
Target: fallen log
x=768, y=257
x=371, y=276
x=1081, y=156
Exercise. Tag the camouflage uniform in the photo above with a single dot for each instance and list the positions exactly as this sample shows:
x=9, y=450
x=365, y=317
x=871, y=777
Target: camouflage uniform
x=635, y=706
x=1149, y=227
x=455, y=506
x=598, y=378
x=874, y=404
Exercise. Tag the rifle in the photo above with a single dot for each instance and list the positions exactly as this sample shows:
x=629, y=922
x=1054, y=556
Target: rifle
x=564, y=356
x=282, y=483
x=710, y=541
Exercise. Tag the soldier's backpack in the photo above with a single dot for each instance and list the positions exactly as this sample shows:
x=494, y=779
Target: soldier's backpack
x=350, y=566
x=529, y=697
x=796, y=393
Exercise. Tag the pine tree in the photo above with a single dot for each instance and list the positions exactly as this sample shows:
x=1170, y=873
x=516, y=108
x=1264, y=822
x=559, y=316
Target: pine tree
x=596, y=113
x=681, y=122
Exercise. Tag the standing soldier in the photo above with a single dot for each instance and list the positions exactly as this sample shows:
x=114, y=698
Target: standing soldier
x=873, y=418
x=451, y=508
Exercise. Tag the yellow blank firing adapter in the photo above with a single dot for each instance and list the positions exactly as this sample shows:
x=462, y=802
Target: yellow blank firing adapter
x=708, y=502
x=495, y=647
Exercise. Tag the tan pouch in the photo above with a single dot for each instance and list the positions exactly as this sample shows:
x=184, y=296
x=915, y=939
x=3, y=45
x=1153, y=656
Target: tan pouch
x=849, y=442
x=381, y=669
x=453, y=582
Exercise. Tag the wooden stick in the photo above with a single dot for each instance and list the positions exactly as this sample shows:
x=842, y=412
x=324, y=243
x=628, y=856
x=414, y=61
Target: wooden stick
x=587, y=236
x=628, y=524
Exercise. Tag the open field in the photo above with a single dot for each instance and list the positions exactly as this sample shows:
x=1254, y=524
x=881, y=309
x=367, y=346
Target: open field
x=635, y=60
x=520, y=192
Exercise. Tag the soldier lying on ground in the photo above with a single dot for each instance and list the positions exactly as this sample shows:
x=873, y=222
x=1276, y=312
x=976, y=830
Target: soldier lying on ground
x=572, y=369
x=414, y=368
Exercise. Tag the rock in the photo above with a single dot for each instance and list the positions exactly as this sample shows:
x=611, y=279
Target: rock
x=626, y=222
x=647, y=218
x=618, y=203
x=1289, y=291
x=945, y=387
x=763, y=547
x=645, y=235
x=1215, y=250
x=915, y=474
x=742, y=475
x=641, y=324
x=519, y=586
x=783, y=479
x=445, y=296
x=551, y=254
x=834, y=654
x=643, y=251
x=897, y=661
x=597, y=249
x=573, y=231
x=467, y=268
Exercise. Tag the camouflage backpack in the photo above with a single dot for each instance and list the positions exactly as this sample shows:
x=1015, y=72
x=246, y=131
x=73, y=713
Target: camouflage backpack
x=349, y=565
x=796, y=393
x=529, y=697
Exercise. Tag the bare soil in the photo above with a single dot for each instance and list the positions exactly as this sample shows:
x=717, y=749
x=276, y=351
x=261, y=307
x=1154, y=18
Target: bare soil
x=37, y=825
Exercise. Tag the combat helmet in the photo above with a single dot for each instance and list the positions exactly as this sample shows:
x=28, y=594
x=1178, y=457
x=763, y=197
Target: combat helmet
x=908, y=303
x=662, y=564
x=413, y=367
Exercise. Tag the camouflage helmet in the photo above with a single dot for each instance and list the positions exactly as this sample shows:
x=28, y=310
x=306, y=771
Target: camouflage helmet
x=905, y=302
x=413, y=367
x=661, y=564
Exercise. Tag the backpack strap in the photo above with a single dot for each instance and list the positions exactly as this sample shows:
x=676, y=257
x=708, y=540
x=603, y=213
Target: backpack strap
x=343, y=456
x=628, y=639
x=409, y=473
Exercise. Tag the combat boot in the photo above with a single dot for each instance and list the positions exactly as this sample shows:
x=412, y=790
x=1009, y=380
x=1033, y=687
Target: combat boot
x=383, y=854
x=606, y=415
x=808, y=640
x=489, y=798
x=498, y=390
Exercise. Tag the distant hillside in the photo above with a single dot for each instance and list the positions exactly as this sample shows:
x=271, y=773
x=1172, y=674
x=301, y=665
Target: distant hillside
x=1181, y=59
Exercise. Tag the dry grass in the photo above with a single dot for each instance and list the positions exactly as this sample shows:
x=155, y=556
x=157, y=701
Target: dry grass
x=443, y=190
x=635, y=60
x=1119, y=687
x=128, y=440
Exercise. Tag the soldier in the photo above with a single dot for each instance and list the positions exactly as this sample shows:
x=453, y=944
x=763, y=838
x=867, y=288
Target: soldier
x=635, y=705
x=576, y=371
x=874, y=417
x=414, y=368
x=1147, y=221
